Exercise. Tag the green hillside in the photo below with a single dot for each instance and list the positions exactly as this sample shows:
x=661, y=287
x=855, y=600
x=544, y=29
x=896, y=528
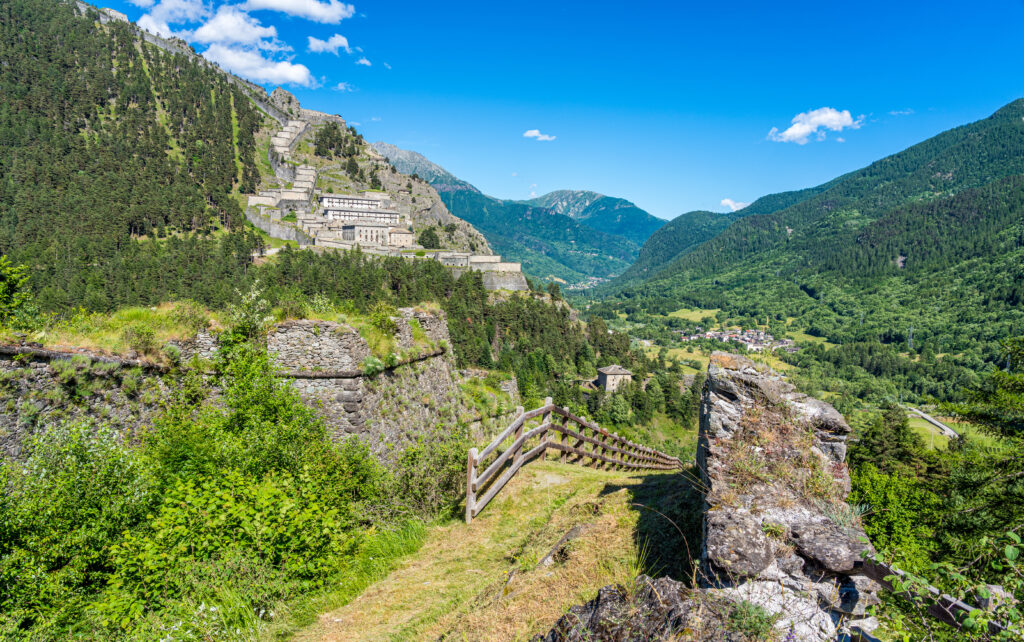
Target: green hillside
x=110, y=144
x=603, y=213
x=687, y=231
x=914, y=264
x=679, y=236
x=550, y=245
x=817, y=227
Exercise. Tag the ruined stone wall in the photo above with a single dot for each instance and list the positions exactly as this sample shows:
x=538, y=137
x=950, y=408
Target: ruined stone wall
x=387, y=410
x=38, y=389
x=777, y=531
x=322, y=358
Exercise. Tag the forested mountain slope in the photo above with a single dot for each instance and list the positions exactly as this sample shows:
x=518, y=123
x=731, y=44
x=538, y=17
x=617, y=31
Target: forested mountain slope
x=603, y=213
x=107, y=141
x=579, y=237
x=814, y=229
x=680, y=235
x=923, y=250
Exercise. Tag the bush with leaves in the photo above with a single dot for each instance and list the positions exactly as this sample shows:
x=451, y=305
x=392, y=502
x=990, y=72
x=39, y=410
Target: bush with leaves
x=74, y=494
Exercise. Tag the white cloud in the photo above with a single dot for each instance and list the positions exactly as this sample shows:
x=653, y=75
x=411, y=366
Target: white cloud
x=515, y=173
x=167, y=12
x=815, y=123
x=330, y=12
x=231, y=26
x=733, y=205
x=901, y=112
x=145, y=4
x=363, y=61
x=375, y=119
x=344, y=86
x=331, y=45
x=840, y=140
x=535, y=133
x=387, y=66
x=252, y=65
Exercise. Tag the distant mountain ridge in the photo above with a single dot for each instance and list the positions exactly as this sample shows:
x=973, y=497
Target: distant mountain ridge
x=567, y=235
x=409, y=162
x=604, y=213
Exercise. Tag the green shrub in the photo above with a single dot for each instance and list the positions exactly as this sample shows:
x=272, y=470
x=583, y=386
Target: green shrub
x=191, y=315
x=381, y=317
x=751, y=620
x=76, y=492
x=372, y=366
x=277, y=524
x=172, y=352
x=140, y=337
x=14, y=292
x=430, y=474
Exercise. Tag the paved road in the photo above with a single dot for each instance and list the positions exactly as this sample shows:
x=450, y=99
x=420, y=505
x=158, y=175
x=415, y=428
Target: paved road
x=946, y=430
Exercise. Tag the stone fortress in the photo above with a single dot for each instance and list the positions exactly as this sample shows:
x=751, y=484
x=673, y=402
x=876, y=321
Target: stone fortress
x=369, y=220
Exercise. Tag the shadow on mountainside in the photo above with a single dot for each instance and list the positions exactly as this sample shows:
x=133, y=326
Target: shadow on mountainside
x=668, y=527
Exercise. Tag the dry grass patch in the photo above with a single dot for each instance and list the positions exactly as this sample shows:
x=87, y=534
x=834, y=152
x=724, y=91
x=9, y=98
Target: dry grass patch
x=482, y=581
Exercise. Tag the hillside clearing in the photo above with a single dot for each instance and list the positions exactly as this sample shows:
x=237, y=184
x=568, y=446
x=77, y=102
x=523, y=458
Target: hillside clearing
x=483, y=581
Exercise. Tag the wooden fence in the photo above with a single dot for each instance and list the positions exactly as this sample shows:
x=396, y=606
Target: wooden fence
x=602, y=448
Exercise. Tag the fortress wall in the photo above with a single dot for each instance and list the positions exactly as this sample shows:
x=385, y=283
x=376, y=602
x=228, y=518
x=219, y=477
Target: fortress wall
x=276, y=229
x=389, y=410
x=514, y=281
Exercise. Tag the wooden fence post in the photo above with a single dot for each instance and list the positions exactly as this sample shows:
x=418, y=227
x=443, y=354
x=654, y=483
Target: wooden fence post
x=544, y=419
x=565, y=438
x=518, y=455
x=470, y=477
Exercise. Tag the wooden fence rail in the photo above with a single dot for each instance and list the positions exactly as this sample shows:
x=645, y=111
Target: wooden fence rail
x=602, y=448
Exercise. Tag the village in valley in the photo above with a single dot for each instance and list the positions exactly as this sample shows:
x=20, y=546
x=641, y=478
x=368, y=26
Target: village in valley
x=753, y=340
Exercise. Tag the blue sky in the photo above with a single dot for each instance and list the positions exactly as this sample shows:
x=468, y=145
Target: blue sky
x=671, y=105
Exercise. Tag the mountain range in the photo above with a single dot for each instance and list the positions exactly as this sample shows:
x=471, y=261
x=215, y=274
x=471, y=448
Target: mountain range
x=903, y=250
x=568, y=236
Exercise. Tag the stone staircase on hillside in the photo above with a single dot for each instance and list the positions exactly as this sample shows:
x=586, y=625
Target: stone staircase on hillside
x=284, y=140
x=298, y=197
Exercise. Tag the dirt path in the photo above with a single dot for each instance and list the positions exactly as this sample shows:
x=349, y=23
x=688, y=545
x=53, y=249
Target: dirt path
x=482, y=581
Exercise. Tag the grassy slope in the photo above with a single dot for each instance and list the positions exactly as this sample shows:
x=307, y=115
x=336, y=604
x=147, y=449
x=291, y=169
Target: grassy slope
x=479, y=582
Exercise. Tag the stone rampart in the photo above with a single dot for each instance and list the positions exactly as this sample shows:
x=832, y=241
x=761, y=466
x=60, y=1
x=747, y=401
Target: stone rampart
x=323, y=359
x=39, y=388
x=277, y=229
x=514, y=281
x=386, y=410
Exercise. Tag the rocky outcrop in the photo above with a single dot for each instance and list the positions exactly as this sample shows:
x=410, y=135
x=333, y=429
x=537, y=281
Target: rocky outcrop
x=661, y=609
x=777, y=531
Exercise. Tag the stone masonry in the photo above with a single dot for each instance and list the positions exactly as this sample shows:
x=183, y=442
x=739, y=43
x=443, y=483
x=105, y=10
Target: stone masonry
x=388, y=410
x=322, y=358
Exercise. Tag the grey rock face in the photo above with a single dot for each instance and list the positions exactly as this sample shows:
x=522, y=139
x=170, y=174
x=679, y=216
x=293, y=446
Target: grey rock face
x=735, y=544
x=661, y=609
x=771, y=459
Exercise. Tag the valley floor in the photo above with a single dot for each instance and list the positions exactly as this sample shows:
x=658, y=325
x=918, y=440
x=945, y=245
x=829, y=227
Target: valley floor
x=483, y=582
